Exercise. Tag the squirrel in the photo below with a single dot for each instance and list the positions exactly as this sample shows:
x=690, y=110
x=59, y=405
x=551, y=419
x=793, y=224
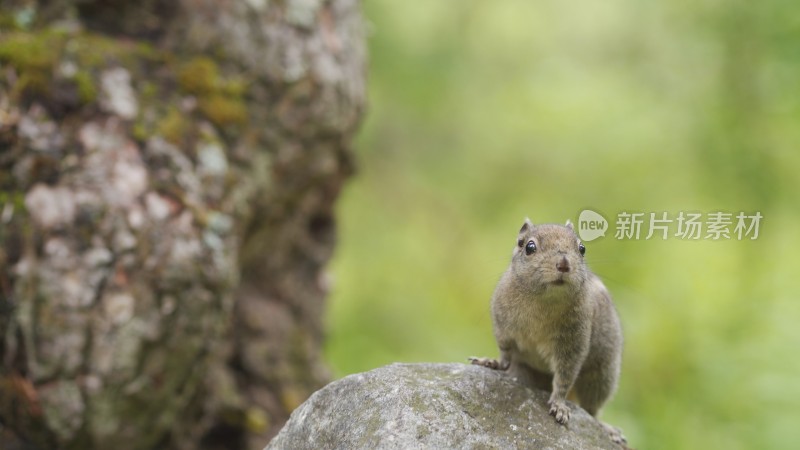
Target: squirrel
x=555, y=323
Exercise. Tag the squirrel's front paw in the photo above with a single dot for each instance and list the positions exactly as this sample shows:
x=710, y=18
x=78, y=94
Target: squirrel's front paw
x=559, y=410
x=488, y=362
x=615, y=434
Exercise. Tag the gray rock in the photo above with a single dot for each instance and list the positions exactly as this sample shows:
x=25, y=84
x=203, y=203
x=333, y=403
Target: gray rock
x=434, y=406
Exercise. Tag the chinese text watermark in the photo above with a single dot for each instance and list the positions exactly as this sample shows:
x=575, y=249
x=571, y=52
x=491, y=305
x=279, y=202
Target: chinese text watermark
x=716, y=225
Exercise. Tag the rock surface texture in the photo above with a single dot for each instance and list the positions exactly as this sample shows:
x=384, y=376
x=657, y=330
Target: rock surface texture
x=434, y=406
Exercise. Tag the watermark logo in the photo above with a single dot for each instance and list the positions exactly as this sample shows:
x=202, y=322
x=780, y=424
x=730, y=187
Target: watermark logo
x=716, y=225
x=591, y=225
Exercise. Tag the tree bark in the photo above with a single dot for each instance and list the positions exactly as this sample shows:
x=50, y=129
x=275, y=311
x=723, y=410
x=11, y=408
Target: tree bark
x=168, y=173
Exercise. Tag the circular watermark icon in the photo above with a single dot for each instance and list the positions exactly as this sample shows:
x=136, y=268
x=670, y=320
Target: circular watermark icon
x=591, y=225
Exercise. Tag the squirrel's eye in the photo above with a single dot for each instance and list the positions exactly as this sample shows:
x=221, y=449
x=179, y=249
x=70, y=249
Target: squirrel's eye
x=530, y=248
x=582, y=248
x=519, y=243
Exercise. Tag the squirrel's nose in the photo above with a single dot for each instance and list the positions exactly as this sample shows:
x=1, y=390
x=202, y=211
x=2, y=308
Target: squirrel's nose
x=563, y=265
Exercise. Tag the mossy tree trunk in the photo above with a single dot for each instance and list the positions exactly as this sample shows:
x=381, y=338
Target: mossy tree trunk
x=168, y=172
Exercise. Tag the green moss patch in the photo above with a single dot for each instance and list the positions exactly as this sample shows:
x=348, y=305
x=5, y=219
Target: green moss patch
x=53, y=65
x=220, y=100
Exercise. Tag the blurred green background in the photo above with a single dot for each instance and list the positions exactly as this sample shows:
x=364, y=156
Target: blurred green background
x=483, y=113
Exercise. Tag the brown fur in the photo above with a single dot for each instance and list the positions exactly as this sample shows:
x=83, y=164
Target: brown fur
x=555, y=324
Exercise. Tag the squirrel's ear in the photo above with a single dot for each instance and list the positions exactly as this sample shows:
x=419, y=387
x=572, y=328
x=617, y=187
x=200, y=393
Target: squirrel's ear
x=526, y=226
x=569, y=225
